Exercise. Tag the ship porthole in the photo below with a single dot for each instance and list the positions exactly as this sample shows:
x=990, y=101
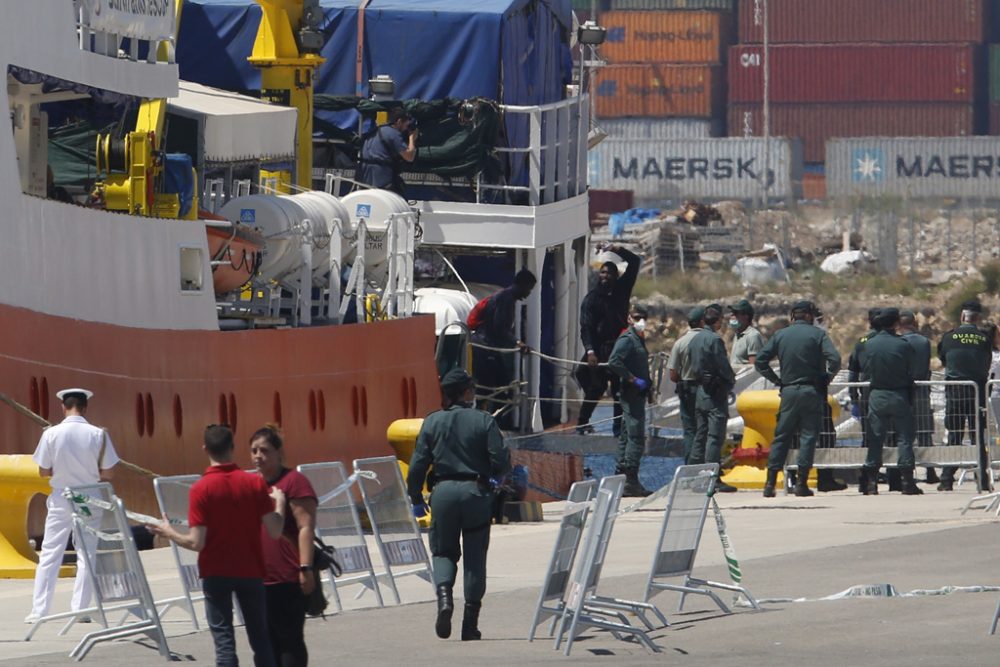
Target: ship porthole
x=321, y=409
x=44, y=396
x=312, y=410
x=364, y=406
x=178, y=416
x=150, y=421
x=413, y=396
x=232, y=412
x=140, y=415
x=276, y=408
x=404, y=391
x=33, y=401
x=223, y=410
x=354, y=404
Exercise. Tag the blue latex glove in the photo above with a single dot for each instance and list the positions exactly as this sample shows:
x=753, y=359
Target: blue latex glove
x=494, y=484
x=641, y=384
x=856, y=411
x=420, y=510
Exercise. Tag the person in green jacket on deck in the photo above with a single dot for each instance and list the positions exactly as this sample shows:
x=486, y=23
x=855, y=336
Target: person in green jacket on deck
x=808, y=362
x=629, y=360
x=469, y=457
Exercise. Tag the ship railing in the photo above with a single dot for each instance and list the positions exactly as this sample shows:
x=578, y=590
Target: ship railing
x=97, y=40
x=552, y=166
x=949, y=429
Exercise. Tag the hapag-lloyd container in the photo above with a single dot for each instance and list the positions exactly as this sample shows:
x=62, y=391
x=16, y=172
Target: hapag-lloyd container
x=658, y=37
x=661, y=128
x=827, y=21
x=855, y=73
x=704, y=168
x=914, y=167
x=815, y=124
x=659, y=90
x=658, y=5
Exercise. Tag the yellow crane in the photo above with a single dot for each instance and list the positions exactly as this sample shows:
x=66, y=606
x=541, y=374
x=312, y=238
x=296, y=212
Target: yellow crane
x=286, y=51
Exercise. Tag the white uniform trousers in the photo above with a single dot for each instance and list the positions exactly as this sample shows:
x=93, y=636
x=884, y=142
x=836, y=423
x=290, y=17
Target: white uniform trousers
x=58, y=528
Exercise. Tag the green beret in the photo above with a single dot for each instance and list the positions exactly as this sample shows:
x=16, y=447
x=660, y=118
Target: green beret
x=456, y=377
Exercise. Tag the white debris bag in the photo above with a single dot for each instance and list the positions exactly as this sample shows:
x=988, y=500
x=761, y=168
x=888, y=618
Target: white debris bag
x=849, y=261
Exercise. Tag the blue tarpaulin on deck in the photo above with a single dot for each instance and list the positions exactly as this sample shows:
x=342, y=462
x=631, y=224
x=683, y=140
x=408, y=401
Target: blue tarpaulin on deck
x=513, y=51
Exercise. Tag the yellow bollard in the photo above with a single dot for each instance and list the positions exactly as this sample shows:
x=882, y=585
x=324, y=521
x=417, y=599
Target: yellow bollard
x=20, y=482
x=402, y=435
x=759, y=410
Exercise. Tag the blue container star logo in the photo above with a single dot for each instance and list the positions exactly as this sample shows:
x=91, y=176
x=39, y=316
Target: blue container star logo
x=868, y=165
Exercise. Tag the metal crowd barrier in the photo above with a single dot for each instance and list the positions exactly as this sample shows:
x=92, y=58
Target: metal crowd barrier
x=396, y=532
x=114, y=567
x=172, y=496
x=338, y=524
x=680, y=534
x=557, y=575
x=991, y=500
x=938, y=405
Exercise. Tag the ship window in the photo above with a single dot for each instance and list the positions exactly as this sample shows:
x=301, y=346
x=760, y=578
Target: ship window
x=223, y=411
x=312, y=410
x=44, y=396
x=276, y=408
x=33, y=401
x=413, y=396
x=178, y=416
x=140, y=415
x=192, y=269
x=354, y=404
x=364, y=406
x=150, y=422
x=321, y=409
x=232, y=412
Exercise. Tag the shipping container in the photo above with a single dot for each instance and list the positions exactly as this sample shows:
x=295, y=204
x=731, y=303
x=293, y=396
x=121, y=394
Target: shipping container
x=602, y=203
x=659, y=171
x=826, y=21
x=662, y=128
x=659, y=91
x=659, y=5
x=815, y=124
x=856, y=73
x=666, y=37
x=914, y=167
x=589, y=5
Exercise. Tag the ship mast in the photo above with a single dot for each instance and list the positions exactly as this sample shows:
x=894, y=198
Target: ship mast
x=286, y=51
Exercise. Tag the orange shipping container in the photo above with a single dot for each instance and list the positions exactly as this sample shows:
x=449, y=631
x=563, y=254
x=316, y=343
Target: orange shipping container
x=661, y=37
x=693, y=91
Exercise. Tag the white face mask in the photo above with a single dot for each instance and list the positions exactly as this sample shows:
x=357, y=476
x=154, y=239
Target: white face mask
x=639, y=325
x=734, y=323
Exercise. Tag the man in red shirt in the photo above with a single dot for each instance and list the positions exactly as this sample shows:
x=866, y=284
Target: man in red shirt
x=227, y=508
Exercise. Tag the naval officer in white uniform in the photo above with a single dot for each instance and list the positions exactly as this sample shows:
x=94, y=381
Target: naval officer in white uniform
x=71, y=453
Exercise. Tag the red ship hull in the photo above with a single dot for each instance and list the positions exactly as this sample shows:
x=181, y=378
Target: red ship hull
x=334, y=390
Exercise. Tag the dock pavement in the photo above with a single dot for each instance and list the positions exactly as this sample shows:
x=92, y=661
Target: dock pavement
x=788, y=548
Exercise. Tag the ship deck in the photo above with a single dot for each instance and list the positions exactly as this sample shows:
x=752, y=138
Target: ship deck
x=788, y=548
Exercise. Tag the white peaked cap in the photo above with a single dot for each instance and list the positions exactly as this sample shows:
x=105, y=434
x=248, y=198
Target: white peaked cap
x=62, y=394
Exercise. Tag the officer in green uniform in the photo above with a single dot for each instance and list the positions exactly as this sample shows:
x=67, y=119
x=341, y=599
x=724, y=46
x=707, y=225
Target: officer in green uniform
x=808, y=361
x=629, y=360
x=923, y=415
x=966, y=353
x=716, y=380
x=859, y=396
x=682, y=375
x=888, y=362
x=466, y=449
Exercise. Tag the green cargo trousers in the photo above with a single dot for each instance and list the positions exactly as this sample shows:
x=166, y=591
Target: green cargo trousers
x=801, y=411
x=460, y=510
x=632, y=438
x=711, y=417
x=889, y=408
x=687, y=395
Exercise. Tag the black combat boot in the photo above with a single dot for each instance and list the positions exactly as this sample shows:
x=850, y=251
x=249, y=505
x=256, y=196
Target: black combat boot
x=871, y=482
x=825, y=481
x=895, y=479
x=932, y=477
x=909, y=487
x=863, y=481
x=633, y=488
x=772, y=480
x=722, y=487
x=446, y=606
x=802, y=489
x=470, y=622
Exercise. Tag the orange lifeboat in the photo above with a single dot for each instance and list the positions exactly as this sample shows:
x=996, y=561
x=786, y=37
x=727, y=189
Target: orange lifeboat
x=235, y=252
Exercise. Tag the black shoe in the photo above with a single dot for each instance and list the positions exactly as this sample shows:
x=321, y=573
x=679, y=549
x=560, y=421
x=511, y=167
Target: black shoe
x=722, y=487
x=633, y=487
x=825, y=486
x=803, y=491
x=932, y=477
x=470, y=622
x=446, y=607
x=908, y=485
x=772, y=481
x=946, y=485
x=768, y=491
